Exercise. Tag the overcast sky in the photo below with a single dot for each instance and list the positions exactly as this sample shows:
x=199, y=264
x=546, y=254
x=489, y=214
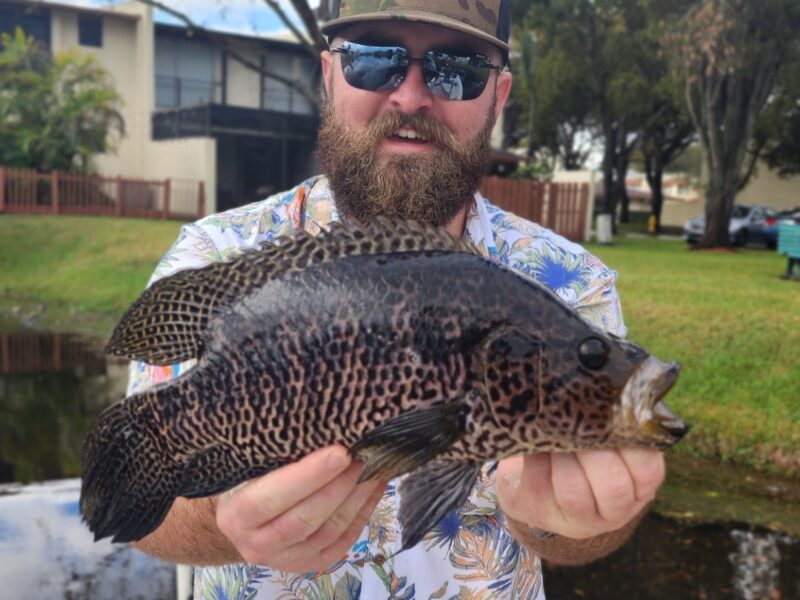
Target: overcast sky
x=243, y=16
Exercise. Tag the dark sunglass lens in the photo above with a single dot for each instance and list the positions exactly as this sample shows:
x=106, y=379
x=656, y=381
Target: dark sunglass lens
x=456, y=77
x=373, y=68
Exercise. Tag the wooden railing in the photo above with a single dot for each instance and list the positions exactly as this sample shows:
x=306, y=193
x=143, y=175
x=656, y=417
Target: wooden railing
x=561, y=207
x=47, y=353
x=24, y=191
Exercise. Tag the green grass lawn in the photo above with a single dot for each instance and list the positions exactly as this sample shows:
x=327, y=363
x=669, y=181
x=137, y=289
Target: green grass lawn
x=726, y=317
x=85, y=270
x=735, y=328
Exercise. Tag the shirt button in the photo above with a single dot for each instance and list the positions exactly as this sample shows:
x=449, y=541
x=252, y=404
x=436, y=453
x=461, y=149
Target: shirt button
x=378, y=559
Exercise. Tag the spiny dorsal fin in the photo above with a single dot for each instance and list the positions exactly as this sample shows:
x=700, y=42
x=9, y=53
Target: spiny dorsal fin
x=168, y=322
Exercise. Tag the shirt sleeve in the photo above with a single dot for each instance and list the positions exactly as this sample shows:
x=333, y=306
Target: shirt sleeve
x=599, y=302
x=193, y=249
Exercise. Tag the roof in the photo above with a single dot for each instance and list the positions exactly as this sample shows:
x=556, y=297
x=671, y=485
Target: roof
x=48, y=4
x=185, y=31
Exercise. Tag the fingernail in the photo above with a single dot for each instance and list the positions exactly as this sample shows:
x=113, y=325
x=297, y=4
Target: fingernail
x=337, y=460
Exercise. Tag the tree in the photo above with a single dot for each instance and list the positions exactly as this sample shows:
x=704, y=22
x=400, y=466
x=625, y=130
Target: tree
x=668, y=131
x=559, y=106
x=778, y=128
x=57, y=112
x=589, y=55
x=731, y=53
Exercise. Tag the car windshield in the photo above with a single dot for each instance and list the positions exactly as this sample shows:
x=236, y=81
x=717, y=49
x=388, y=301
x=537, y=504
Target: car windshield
x=740, y=212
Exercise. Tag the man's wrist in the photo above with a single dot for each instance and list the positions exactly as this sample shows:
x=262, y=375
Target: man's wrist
x=562, y=550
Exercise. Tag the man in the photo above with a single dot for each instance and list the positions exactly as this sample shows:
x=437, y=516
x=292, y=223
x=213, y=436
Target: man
x=413, y=90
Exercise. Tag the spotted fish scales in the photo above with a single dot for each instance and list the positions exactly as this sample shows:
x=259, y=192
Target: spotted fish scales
x=398, y=341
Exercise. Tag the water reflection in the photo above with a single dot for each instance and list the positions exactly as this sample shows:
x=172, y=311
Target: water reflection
x=668, y=559
x=47, y=553
x=51, y=386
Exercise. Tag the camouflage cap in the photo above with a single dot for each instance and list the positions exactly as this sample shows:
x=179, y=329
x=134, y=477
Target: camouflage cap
x=488, y=20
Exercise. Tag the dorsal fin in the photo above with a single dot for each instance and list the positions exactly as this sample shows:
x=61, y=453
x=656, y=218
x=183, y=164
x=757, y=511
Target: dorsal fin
x=168, y=322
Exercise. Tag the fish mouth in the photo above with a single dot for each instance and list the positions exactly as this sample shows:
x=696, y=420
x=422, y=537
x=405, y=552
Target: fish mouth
x=644, y=416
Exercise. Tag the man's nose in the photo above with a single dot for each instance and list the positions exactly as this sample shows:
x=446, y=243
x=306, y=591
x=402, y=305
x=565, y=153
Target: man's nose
x=412, y=95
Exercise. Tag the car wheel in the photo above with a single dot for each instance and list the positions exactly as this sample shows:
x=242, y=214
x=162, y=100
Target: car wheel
x=741, y=238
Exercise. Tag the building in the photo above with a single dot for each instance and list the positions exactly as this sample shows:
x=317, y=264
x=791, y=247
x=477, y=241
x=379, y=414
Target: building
x=192, y=109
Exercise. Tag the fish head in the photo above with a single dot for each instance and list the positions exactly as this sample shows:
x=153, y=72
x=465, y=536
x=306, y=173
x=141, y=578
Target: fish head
x=581, y=388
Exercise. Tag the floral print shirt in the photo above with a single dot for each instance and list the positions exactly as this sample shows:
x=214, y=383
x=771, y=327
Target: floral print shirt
x=469, y=555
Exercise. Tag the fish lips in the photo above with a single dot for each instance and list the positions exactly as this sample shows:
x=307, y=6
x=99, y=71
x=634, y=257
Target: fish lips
x=644, y=417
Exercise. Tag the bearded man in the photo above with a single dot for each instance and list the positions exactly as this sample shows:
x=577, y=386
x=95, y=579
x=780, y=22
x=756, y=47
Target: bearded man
x=413, y=90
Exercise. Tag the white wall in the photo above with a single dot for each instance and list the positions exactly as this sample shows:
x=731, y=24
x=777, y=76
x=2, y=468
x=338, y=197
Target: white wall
x=769, y=189
x=186, y=158
x=120, y=56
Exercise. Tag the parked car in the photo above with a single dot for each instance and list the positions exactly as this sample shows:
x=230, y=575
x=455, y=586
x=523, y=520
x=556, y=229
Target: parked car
x=792, y=215
x=750, y=223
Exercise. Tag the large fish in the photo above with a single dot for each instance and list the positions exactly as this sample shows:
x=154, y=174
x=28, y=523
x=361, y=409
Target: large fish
x=398, y=341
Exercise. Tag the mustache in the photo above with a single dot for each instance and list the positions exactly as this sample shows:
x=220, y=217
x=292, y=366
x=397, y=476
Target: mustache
x=432, y=130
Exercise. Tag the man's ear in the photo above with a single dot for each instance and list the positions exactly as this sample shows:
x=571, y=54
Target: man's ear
x=503, y=90
x=327, y=69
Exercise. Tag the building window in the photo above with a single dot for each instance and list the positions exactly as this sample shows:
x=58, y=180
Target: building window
x=34, y=21
x=90, y=31
x=280, y=97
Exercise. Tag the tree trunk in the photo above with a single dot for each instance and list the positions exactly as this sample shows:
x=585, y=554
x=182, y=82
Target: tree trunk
x=722, y=187
x=654, y=171
x=623, y=159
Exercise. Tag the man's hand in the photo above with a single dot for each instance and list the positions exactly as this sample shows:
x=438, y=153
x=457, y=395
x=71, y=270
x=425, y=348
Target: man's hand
x=302, y=517
x=579, y=495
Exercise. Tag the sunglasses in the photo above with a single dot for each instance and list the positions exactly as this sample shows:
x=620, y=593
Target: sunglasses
x=383, y=68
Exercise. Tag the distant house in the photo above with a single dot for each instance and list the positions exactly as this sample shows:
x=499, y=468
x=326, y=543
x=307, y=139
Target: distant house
x=191, y=110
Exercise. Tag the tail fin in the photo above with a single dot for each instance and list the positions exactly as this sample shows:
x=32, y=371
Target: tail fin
x=129, y=479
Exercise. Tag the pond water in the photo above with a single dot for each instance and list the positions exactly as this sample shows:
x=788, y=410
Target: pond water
x=51, y=386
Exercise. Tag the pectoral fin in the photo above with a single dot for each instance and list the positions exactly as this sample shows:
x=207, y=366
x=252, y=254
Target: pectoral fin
x=408, y=441
x=427, y=495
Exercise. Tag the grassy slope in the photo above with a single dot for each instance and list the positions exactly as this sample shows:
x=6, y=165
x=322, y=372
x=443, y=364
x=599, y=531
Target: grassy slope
x=78, y=266
x=727, y=317
x=735, y=327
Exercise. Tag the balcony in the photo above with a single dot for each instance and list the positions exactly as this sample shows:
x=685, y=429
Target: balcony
x=212, y=120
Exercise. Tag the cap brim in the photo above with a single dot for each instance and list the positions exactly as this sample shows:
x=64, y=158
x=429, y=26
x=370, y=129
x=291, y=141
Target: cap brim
x=332, y=27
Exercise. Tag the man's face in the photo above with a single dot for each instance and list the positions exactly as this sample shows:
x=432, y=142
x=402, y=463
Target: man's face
x=374, y=167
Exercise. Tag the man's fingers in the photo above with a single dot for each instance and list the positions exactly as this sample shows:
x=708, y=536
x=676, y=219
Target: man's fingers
x=267, y=497
x=571, y=488
x=333, y=549
x=611, y=484
x=301, y=521
x=647, y=468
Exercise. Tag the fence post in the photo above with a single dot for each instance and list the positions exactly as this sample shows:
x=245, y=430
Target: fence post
x=201, y=200
x=167, y=194
x=54, y=191
x=119, y=195
x=2, y=189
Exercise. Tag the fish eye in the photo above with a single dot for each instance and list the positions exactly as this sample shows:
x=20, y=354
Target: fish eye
x=593, y=353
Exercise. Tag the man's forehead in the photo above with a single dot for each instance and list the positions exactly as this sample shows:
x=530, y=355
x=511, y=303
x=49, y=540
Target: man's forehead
x=407, y=33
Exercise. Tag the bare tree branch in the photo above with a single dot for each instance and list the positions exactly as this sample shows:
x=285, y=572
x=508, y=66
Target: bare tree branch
x=291, y=26
x=310, y=21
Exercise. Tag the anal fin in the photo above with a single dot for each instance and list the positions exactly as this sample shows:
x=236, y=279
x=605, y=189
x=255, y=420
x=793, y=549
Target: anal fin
x=408, y=441
x=427, y=495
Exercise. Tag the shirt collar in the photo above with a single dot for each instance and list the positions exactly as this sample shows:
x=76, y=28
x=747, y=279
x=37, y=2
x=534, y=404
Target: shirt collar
x=314, y=209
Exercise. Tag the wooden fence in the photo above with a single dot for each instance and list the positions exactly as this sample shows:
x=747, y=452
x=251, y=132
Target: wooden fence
x=24, y=191
x=48, y=353
x=561, y=207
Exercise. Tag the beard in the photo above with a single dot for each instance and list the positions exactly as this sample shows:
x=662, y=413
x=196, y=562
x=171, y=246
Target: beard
x=430, y=188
